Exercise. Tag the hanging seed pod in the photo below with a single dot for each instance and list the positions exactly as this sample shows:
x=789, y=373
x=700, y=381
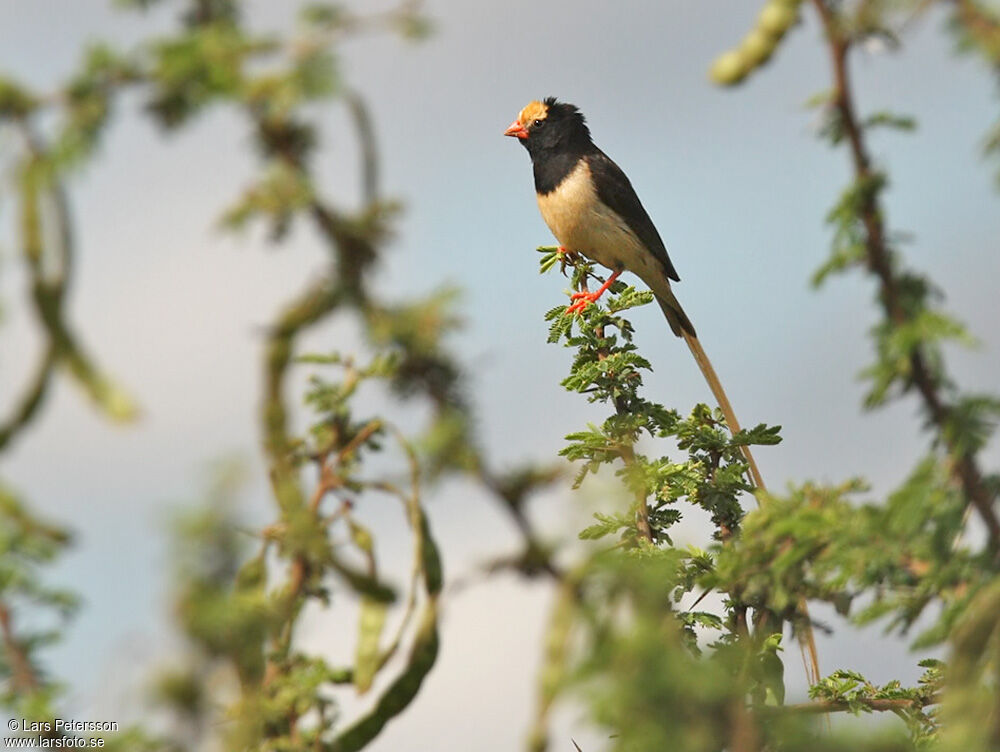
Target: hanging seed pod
x=774, y=21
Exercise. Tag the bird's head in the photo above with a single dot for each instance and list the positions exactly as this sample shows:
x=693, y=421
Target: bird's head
x=549, y=124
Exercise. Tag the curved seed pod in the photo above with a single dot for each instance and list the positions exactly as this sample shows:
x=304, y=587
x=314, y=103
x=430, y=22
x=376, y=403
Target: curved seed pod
x=757, y=47
x=729, y=68
x=777, y=17
x=774, y=21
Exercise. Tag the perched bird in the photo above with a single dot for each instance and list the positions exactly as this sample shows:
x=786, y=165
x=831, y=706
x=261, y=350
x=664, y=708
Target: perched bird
x=592, y=209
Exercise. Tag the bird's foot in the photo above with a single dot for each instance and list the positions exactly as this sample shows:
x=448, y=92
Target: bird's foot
x=581, y=300
x=583, y=297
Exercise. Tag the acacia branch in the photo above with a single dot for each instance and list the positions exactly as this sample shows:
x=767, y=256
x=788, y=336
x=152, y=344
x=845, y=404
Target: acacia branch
x=627, y=454
x=965, y=468
x=22, y=674
x=366, y=143
x=535, y=556
x=840, y=706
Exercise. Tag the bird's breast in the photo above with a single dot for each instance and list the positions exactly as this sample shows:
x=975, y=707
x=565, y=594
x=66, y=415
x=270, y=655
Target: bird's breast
x=581, y=222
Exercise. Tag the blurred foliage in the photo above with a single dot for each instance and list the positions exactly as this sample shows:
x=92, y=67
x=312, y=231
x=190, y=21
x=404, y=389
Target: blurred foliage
x=976, y=27
x=27, y=544
x=660, y=670
x=632, y=634
x=608, y=369
x=244, y=681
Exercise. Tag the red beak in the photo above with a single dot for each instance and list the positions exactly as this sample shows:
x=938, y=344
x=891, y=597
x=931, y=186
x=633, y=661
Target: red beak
x=516, y=129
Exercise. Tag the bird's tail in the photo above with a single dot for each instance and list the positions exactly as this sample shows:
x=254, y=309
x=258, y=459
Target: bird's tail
x=681, y=325
x=678, y=320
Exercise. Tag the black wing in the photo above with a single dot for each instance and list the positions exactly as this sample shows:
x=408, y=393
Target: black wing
x=615, y=190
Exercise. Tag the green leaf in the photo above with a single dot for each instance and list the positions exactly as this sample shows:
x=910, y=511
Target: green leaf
x=761, y=435
x=367, y=658
x=889, y=120
x=606, y=525
x=773, y=677
x=550, y=257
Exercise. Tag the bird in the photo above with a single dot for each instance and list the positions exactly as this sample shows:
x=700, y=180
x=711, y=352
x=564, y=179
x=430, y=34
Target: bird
x=592, y=209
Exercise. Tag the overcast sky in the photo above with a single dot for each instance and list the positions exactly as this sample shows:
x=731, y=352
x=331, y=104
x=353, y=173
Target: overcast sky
x=736, y=181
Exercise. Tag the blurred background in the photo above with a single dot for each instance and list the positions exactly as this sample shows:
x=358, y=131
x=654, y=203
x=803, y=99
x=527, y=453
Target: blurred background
x=736, y=181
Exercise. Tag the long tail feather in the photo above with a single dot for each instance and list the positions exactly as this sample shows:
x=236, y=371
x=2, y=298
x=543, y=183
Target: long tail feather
x=701, y=358
x=681, y=325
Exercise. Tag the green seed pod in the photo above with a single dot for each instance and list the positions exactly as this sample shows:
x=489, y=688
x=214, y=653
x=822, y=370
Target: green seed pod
x=757, y=47
x=729, y=68
x=777, y=17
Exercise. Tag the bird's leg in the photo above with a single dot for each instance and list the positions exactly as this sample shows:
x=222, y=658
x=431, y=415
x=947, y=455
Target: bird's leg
x=583, y=297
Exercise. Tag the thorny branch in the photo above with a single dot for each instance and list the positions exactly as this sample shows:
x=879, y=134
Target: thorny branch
x=840, y=706
x=23, y=676
x=964, y=468
x=628, y=457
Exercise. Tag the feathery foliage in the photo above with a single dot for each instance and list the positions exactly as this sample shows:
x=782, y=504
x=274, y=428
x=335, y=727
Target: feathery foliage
x=666, y=646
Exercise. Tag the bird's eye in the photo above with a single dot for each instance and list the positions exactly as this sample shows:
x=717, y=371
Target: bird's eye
x=538, y=123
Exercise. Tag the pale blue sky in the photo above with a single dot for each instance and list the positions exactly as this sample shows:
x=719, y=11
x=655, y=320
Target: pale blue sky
x=735, y=180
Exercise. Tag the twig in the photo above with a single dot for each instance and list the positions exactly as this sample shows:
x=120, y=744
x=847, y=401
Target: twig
x=840, y=706
x=743, y=736
x=23, y=675
x=965, y=468
x=360, y=438
x=532, y=541
x=628, y=457
x=366, y=142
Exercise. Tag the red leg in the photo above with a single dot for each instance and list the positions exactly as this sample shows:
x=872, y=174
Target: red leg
x=584, y=297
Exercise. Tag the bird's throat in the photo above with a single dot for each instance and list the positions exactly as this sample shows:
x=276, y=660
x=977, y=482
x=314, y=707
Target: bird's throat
x=552, y=167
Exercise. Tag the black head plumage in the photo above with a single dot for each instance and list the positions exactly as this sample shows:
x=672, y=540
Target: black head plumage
x=565, y=112
x=553, y=125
